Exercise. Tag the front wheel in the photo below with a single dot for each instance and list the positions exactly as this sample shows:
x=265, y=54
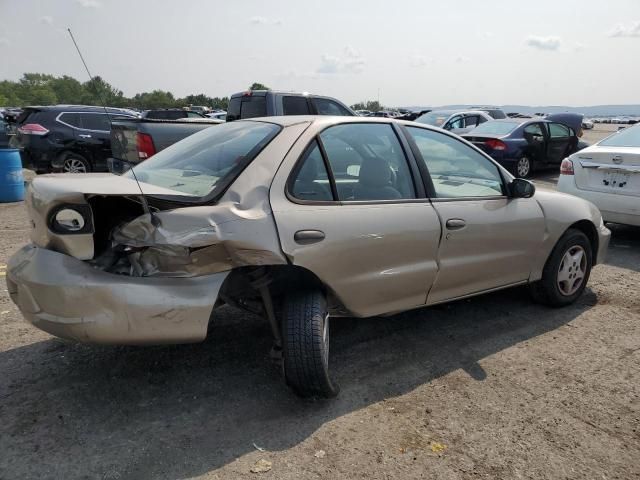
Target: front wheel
x=306, y=345
x=566, y=272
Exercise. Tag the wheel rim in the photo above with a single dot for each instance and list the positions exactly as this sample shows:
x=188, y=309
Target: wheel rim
x=572, y=270
x=73, y=165
x=523, y=167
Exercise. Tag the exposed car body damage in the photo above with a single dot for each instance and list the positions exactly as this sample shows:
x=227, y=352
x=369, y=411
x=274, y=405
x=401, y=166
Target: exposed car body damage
x=146, y=273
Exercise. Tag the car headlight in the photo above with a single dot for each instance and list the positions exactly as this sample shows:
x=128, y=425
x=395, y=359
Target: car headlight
x=70, y=219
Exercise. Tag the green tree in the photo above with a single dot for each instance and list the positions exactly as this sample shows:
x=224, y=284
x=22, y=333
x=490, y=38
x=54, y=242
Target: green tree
x=371, y=105
x=154, y=99
x=67, y=89
x=258, y=86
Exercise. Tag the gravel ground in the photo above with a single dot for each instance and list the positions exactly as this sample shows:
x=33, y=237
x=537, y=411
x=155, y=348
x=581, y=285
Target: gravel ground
x=492, y=387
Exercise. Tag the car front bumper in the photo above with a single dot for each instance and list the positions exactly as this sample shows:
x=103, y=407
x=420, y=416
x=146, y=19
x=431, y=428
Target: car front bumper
x=69, y=298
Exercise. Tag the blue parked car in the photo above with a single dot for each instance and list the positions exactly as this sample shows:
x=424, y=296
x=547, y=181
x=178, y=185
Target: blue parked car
x=524, y=145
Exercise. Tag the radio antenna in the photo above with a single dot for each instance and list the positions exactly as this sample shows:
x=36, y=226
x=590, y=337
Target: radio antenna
x=143, y=199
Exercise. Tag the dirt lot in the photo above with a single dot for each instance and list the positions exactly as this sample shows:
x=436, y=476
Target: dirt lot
x=493, y=387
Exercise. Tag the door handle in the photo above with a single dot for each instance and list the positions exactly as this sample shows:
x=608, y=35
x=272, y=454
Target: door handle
x=82, y=135
x=306, y=237
x=456, y=224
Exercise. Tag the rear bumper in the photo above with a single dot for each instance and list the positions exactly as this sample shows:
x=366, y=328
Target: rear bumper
x=68, y=298
x=614, y=208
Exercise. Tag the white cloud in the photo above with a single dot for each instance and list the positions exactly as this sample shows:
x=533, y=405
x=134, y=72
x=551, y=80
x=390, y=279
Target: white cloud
x=462, y=59
x=258, y=20
x=89, y=3
x=620, y=30
x=487, y=35
x=4, y=42
x=46, y=20
x=350, y=62
x=550, y=43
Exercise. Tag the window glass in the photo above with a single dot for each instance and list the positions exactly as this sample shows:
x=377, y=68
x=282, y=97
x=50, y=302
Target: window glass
x=456, y=169
x=193, y=115
x=233, y=110
x=329, y=107
x=455, y=122
x=533, y=129
x=557, y=130
x=310, y=180
x=295, y=106
x=95, y=121
x=471, y=121
x=629, y=137
x=481, y=120
x=207, y=161
x=72, y=119
x=253, y=107
x=367, y=162
x=496, y=127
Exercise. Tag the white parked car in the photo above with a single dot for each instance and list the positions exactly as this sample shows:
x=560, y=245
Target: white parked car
x=455, y=121
x=608, y=175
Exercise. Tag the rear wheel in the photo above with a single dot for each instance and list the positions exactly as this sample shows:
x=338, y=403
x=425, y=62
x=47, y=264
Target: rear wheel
x=566, y=272
x=74, y=163
x=306, y=344
x=523, y=167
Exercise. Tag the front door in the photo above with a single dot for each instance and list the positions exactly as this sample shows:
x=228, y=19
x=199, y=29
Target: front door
x=487, y=238
x=354, y=216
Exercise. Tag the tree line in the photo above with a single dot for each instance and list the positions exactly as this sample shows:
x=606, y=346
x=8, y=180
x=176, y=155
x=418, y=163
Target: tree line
x=45, y=89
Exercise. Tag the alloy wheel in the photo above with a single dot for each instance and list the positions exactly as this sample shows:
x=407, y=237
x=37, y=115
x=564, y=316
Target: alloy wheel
x=523, y=167
x=572, y=270
x=74, y=165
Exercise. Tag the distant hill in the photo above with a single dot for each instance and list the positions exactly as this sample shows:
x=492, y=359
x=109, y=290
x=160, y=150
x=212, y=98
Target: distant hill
x=592, y=111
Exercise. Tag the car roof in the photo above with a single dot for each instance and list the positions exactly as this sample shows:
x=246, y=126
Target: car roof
x=73, y=108
x=289, y=120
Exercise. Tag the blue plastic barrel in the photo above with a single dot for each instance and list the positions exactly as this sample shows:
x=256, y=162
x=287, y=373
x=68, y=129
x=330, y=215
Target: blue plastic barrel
x=11, y=181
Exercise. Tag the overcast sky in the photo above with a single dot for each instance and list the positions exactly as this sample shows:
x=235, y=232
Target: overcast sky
x=410, y=52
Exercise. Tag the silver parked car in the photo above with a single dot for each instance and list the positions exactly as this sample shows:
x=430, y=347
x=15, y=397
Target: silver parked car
x=455, y=121
x=300, y=219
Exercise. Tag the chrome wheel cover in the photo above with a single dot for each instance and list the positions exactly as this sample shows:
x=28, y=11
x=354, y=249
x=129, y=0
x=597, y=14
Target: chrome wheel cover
x=572, y=270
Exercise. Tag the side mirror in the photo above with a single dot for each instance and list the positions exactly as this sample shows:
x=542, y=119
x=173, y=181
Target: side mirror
x=521, y=188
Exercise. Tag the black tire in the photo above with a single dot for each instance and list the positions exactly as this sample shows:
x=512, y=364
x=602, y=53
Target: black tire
x=75, y=163
x=306, y=345
x=523, y=167
x=548, y=290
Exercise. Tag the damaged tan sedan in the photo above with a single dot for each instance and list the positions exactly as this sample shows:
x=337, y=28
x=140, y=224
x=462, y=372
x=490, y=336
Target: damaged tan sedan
x=299, y=219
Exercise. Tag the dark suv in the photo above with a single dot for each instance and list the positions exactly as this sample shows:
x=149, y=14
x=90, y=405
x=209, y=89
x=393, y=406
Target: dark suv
x=65, y=138
x=270, y=103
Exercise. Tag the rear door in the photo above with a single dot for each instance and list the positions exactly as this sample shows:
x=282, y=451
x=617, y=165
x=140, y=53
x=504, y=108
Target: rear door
x=534, y=134
x=488, y=239
x=558, y=141
x=353, y=214
x=295, y=105
x=326, y=106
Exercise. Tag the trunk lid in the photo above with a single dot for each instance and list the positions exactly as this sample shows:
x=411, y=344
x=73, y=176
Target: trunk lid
x=608, y=169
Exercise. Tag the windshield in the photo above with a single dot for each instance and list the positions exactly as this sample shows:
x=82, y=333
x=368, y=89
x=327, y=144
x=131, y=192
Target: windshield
x=433, y=118
x=629, y=137
x=494, y=128
x=208, y=160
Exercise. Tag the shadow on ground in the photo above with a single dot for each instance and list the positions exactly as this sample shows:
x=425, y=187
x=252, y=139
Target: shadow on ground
x=182, y=411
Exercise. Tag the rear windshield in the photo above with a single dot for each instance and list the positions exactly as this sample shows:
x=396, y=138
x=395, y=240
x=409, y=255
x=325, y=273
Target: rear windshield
x=433, y=118
x=494, y=128
x=207, y=161
x=629, y=137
